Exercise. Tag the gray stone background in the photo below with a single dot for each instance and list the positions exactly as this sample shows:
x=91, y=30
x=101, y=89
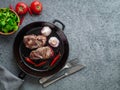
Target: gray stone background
x=93, y=31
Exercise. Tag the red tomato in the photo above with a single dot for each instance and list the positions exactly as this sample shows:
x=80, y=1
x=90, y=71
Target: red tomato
x=21, y=8
x=36, y=7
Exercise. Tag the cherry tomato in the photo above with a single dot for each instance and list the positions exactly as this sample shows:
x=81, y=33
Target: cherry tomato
x=36, y=7
x=21, y=8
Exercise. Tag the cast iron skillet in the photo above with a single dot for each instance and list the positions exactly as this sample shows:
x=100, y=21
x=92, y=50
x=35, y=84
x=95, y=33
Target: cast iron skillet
x=20, y=51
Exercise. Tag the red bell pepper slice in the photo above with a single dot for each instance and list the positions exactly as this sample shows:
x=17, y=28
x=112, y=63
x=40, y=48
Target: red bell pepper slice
x=55, y=59
x=40, y=64
x=29, y=60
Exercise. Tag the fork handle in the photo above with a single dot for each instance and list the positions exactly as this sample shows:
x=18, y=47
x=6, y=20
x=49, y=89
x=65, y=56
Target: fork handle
x=51, y=82
x=44, y=79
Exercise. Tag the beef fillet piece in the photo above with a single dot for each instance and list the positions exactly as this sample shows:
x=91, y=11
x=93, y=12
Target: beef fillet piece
x=30, y=41
x=41, y=40
x=41, y=53
x=33, y=41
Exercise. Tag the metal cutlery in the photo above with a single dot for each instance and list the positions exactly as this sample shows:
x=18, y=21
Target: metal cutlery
x=69, y=72
x=68, y=65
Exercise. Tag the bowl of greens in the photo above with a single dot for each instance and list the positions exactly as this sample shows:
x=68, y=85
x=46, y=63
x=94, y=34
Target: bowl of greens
x=9, y=21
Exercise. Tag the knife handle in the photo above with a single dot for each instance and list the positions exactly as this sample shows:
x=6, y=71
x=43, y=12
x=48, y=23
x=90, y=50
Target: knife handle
x=51, y=82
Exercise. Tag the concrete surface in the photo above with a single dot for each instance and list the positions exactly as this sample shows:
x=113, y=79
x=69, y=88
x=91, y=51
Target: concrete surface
x=93, y=31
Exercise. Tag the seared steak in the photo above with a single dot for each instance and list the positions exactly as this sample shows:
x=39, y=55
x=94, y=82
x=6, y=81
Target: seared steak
x=41, y=53
x=41, y=40
x=33, y=41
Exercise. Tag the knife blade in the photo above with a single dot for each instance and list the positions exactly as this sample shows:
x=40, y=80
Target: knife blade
x=69, y=72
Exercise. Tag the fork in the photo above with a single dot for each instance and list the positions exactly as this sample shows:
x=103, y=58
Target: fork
x=68, y=65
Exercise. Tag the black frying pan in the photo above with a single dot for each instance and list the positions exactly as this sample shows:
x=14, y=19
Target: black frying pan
x=20, y=51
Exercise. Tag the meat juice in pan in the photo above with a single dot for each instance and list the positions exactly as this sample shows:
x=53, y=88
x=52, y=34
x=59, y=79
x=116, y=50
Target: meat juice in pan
x=25, y=52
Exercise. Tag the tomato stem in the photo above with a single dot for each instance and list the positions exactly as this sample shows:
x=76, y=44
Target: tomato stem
x=38, y=7
x=20, y=8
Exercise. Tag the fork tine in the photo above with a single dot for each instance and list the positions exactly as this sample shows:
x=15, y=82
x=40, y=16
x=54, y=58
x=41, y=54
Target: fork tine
x=74, y=61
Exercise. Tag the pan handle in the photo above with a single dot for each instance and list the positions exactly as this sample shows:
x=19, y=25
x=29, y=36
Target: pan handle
x=21, y=75
x=63, y=26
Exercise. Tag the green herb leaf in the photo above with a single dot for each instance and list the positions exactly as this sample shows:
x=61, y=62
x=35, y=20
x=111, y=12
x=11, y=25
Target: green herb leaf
x=8, y=20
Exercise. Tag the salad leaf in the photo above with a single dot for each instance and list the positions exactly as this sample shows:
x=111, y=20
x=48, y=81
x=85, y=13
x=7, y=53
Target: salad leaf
x=8, y=21
x=2, y=22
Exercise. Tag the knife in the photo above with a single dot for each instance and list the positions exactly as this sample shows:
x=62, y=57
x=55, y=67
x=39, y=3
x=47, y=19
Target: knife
x=69, y=64
x=69, y=72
